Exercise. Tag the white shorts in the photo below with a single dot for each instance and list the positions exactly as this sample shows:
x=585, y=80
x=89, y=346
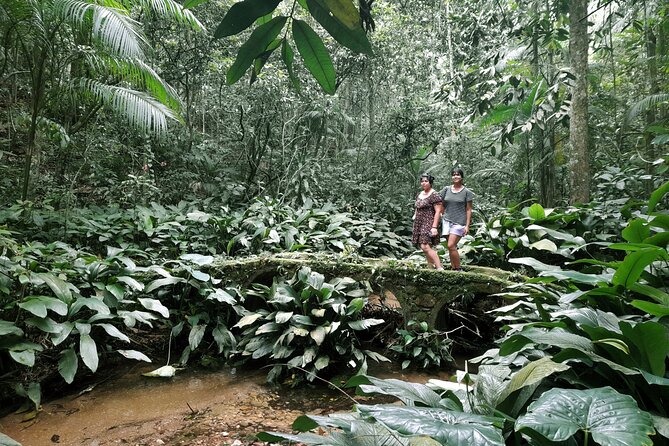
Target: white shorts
x=448, y=227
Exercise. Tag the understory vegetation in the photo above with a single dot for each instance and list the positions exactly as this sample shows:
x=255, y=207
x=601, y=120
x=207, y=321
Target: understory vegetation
x=591, y=310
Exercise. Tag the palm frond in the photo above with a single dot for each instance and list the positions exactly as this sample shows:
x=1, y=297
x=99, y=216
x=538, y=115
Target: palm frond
x=25, y=18
x=138, y=74
x=140, y=109
x=113, y=27
x=644, y=105
x=14, y=11
x=172, y=10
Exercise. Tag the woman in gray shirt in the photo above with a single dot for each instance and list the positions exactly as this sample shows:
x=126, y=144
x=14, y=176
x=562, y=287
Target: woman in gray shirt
x=457, y=214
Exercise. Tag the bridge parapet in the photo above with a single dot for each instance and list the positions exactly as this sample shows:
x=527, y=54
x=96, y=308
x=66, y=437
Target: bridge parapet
x=423, y=294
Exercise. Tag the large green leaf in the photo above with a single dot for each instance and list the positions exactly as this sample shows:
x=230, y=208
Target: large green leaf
x=133, y=283
x=318, y=335
x=9, y=328
x=195, y=336
x=544, y=245
x=68, y=364
x=288, y=56
x=46, y=324
x=337, y=439
x=344, y=11
x=576, y=276
x=247, y=320
x=651, y=308
x=258, y=64
x=635, y=262
x=6, y=441
x=356, y=433
x=353, y=38
x=556, y=337
x=660, y=221
x=134, y=354
x=364, y=324
x=557, y=234
x=25, y=357
x=315, y=55
x=91, y=303
x=534, y=263
x=407, y=392
x=652, y=292
x=114, y=332
x=536, y=212
x=257, y=43
x=242, y=15
x=531, y=374
x=38, y=305
x=636, y=231
x=158, y=283
x=34, y=306
x=60, y=288
x=450, y=428
x=611, y=418
x=155, y=305
x=657, y=196
x=651, y=345
x=88, y=351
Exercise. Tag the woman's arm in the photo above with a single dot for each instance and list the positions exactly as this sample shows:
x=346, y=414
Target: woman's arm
x=469, y=216
x=438, y=210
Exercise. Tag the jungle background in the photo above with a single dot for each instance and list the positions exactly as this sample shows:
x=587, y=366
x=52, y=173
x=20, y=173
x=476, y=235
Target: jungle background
x=141, y=142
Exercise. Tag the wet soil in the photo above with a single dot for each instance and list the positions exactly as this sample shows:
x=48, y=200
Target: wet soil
x=195, y=407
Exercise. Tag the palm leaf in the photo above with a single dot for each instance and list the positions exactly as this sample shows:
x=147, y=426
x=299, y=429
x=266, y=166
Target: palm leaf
x=644, y=105
x=113, y=27
x=141, y=110
x=16, y=11
x=140, y=75
x=172, y=10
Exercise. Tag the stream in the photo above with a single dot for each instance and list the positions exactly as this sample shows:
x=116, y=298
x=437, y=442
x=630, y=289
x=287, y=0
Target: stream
x=195, y=407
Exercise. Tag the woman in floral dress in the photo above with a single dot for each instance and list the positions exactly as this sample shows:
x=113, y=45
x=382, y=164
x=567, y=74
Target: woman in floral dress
x=429, y=208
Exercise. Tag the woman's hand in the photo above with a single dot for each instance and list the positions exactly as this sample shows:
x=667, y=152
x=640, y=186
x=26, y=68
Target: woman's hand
x=433, y=231
x=466, y=230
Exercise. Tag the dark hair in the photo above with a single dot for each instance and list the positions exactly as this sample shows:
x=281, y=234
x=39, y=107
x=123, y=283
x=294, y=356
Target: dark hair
x=429, y=177
x=458, y=171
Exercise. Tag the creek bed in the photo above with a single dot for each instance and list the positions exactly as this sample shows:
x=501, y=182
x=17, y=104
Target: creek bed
x=195, y=407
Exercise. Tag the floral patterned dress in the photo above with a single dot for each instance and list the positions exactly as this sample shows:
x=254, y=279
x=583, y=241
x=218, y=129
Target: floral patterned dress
x=422, y=224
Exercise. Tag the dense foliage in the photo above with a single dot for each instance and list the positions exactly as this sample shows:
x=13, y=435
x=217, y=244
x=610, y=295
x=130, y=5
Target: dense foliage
x=566, y=333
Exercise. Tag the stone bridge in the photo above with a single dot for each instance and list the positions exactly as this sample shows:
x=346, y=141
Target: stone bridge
x=423, y=295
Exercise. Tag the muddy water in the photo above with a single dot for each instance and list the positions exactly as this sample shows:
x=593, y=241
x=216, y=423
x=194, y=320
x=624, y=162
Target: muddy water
x=192, y=408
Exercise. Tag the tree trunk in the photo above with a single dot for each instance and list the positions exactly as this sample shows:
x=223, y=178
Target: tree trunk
x=578, y=124
x=653, y=89
x=38, y=68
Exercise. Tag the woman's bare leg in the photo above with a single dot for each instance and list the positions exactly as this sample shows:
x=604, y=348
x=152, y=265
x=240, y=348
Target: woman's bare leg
x=453, y=253
x=431, y=255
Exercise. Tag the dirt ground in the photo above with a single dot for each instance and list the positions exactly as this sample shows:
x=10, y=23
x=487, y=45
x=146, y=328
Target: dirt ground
x=195, y=408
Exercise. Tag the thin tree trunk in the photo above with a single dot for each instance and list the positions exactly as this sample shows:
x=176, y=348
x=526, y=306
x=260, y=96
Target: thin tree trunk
x=653, y=89
x=449, y=39
x=578, y=124
x=39, y=59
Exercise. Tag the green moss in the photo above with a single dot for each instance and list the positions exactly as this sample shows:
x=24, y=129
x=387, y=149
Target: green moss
x=422, y=293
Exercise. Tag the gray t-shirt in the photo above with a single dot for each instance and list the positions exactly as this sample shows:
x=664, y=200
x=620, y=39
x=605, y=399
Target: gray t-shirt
x=455, y=204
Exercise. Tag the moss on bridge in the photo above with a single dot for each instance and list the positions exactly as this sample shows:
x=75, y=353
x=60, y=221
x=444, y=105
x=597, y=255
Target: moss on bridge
x=423, y=294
